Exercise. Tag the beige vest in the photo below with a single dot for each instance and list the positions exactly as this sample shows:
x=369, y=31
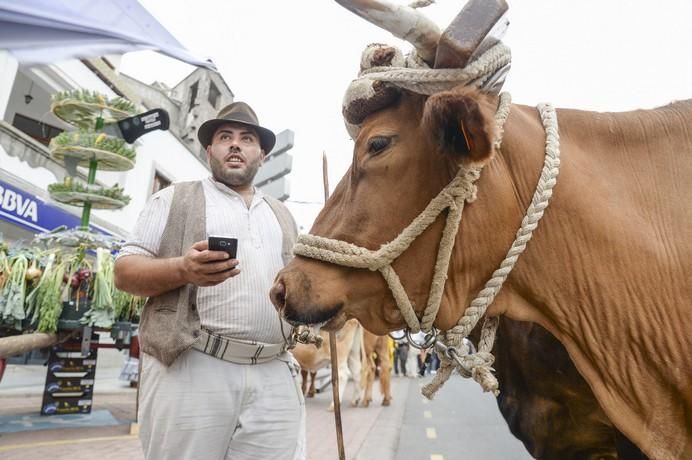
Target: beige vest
x=170, y=322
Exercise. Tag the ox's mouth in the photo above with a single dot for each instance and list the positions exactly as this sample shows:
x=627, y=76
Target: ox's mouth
x=329, y=319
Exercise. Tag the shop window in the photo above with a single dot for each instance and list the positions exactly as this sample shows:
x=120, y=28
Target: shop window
x=193, y=95
x=160, y=182
x=214, y=94
x=38, y=130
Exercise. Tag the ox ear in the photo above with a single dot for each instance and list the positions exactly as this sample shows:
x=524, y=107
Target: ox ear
x=462, y=123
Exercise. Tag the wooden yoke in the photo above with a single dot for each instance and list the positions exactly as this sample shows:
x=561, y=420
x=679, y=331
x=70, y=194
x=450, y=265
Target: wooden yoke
x=479, y=25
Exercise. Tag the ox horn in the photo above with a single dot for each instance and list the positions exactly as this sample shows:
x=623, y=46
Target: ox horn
x=402, y=21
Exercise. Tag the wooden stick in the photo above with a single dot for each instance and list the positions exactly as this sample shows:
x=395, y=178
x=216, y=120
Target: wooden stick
x=332, y=346
x=20, y=344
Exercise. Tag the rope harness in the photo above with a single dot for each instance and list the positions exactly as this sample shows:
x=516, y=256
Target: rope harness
x=460, y=190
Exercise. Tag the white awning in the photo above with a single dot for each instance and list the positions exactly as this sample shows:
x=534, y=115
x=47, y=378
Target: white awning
x=45, y=31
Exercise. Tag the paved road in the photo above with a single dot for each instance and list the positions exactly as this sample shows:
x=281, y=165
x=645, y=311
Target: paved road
x=461, y=423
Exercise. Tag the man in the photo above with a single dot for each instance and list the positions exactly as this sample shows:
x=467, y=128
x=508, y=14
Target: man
x=217, y=381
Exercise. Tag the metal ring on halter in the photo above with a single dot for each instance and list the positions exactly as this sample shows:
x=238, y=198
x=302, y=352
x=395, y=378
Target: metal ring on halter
x=428, y=341
x=452, y=353
x=393, y=337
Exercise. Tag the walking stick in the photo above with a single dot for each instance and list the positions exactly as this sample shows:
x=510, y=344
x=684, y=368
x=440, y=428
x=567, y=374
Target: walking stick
x=332, y=346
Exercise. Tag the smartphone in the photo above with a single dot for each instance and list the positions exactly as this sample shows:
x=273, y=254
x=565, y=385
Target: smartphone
x=225, y=244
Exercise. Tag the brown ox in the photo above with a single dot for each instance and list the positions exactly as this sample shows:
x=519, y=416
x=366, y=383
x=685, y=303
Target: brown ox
x=348, y=352
x=376, y=345
x=607, y=271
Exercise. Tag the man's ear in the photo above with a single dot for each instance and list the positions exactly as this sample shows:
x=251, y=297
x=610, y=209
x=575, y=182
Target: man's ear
x=462, y=123
x=208, y=150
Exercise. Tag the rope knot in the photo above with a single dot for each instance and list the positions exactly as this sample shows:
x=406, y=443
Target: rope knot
x=470, y=193
x=479, y=367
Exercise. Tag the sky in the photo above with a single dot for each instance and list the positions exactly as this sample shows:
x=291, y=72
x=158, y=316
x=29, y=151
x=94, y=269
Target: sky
x=292, y=61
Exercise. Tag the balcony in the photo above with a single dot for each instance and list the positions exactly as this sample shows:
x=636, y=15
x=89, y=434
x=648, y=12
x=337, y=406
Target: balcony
x=21, y=146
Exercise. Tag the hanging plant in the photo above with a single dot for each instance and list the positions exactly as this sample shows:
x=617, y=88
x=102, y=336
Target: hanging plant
x=112, y=153
x=76, y=193
x=82, y=107
x=76, y=237
x=77, y=140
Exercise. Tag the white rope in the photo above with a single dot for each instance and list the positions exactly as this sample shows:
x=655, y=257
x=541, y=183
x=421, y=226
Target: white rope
x=481, y=370
x=453, y=196
x=431, y=81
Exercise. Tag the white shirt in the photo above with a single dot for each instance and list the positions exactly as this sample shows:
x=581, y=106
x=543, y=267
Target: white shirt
x=239, y=307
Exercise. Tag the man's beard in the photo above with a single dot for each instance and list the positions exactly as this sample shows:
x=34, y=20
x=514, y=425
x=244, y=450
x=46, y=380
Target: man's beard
x=234, y=177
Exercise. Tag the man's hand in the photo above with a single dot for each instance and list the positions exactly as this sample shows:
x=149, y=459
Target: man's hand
x=203, y=267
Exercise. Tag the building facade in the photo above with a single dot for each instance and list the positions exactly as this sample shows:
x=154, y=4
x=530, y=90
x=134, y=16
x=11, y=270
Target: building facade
x=163, y=157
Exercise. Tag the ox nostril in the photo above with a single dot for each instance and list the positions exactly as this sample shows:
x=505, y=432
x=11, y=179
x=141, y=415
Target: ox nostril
x=278, y=294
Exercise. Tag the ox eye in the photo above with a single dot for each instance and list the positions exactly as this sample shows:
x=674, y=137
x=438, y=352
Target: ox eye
x=378, y=144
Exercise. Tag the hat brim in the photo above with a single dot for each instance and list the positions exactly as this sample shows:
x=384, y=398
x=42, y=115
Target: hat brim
x=205, y=133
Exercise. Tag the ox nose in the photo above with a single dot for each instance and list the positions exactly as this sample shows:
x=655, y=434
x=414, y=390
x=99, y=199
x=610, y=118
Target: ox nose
x=277, y=294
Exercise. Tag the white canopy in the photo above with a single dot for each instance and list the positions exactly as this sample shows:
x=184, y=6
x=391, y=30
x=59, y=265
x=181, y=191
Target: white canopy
x=45, y=31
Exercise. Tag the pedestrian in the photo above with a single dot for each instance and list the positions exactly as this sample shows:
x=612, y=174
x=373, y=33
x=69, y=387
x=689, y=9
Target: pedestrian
x=422, y=362
x=400, y=358
x=217, y=381
x=395, y=358
x=434, y=362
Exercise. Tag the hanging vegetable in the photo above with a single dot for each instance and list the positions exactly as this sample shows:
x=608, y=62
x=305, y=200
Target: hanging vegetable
x=101, y=313
x=49, y=298
x=4, y=266
x=34, y=296
x=126, y=306
x=14, y=291
x=33, y=273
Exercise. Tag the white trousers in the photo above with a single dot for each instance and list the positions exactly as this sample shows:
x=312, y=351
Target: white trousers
x=204, y=408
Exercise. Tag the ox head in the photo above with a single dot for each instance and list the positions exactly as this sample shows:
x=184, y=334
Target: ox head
x=408, y=147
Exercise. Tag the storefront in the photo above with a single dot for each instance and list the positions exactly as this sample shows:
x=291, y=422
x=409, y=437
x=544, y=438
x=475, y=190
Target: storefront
x=24, y=212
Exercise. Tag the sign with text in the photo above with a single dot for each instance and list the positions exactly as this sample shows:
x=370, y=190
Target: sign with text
x=33, y=213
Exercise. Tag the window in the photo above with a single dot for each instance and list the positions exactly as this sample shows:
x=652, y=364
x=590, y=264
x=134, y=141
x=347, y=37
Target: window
x=36, y=129
x=214, y=94
x=160, y=182
x=193, y=95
